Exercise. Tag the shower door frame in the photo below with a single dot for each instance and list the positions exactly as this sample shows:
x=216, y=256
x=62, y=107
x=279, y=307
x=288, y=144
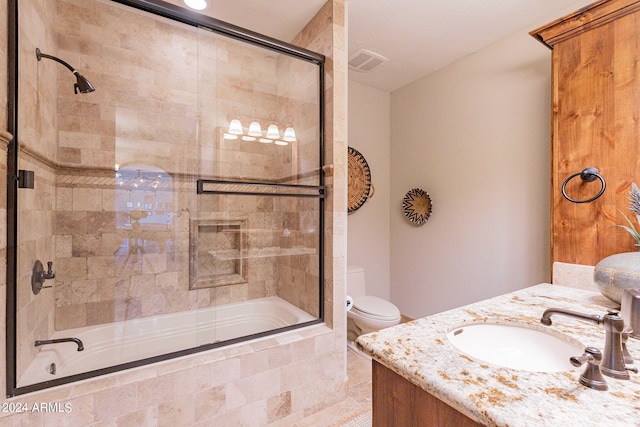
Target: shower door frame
x=188, y=17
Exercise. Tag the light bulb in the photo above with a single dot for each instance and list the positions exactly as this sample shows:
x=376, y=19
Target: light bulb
x=289, y=134
x=248, y=138
x=235, y=127
x=273, y=132
x=279, y=142
x=196, y=4
x=265, y=140
x=230, y=136
x=255, y=129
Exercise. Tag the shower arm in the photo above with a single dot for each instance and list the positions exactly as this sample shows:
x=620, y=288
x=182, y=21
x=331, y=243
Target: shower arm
x=41, y=55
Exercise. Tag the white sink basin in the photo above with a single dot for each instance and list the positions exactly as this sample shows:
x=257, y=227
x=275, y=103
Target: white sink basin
x=516, y=347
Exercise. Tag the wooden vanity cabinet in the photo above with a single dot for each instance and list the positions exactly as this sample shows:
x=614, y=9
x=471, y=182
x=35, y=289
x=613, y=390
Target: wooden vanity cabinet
x=595, y=123
x=398, y=402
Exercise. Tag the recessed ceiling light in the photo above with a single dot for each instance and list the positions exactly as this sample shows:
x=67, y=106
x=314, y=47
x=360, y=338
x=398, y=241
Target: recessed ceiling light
x=196, y=4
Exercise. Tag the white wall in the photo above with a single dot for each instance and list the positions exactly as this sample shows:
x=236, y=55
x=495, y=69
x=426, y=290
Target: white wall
x=475, y=135
x=368, y=233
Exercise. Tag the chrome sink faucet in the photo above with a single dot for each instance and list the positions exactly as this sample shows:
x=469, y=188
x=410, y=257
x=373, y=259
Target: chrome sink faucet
x=613, y=359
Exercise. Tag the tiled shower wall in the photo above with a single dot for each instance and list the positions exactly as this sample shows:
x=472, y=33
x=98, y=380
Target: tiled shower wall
x=152, y=109
x=258, y=383
x=36, y=212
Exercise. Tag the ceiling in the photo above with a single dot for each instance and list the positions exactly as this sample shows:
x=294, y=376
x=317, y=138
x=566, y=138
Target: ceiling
x=417, y=36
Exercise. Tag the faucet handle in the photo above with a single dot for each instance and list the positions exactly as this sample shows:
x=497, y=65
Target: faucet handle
x=49, y=274
x=591, y=377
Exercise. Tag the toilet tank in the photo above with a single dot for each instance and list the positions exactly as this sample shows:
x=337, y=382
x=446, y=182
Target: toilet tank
x=355, y=281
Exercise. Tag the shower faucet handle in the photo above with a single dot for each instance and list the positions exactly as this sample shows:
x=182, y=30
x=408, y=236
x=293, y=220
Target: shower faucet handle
x=38, y=276
x=49, y=274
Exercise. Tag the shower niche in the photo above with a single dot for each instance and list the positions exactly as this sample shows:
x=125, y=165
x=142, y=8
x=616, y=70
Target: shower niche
x=218, y=253
x=181, y=202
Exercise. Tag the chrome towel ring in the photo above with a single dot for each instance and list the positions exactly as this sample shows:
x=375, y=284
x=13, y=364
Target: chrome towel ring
x=588, y=175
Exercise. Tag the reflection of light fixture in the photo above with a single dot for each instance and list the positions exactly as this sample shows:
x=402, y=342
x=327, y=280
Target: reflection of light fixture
x=273, y=132
x=272, y=135
x=289, y=134
x=255, y=129
x=235, y=127
x=196, y=4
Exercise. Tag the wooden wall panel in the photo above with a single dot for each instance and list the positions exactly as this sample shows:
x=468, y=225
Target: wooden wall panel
x=595, y=123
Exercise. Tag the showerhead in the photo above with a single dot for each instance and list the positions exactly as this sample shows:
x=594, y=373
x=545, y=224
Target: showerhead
x=82, y=85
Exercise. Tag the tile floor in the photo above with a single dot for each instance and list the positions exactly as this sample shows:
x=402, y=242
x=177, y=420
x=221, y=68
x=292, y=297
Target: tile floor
x=359, y=398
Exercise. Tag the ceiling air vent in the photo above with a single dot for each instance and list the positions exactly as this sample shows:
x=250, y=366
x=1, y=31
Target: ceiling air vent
x=365, y=60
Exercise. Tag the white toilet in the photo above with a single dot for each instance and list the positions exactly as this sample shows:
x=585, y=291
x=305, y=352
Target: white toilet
x=368, y=313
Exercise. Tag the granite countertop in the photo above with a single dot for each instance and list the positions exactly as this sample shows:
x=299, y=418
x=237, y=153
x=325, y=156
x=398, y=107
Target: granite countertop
x=496, y=396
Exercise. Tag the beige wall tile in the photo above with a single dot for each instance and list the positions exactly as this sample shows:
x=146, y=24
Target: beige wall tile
x=113, y=401
x=210, y=403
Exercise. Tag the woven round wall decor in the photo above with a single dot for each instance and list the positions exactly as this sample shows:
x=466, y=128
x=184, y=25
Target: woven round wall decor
x=417, y=206
x=359, y=186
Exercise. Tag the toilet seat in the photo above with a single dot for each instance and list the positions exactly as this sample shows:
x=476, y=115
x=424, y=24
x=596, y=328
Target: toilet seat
x=375, y=308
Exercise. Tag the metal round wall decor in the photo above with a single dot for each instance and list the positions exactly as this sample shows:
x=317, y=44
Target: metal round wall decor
x=417, y=206
x=359, y=186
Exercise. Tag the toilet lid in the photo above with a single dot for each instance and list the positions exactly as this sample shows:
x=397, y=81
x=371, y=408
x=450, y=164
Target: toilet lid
x=377, y=307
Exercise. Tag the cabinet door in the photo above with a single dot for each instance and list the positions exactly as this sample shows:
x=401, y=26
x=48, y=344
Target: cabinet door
x=596, y=123
x=399, y=403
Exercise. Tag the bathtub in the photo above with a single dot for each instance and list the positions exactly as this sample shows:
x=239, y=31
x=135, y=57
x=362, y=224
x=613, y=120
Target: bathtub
x=127, y=341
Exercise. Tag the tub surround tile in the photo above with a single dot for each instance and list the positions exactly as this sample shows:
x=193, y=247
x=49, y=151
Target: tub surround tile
x=254, y=363
x=495, y=396
x=193, y=380
x=144, y=417
x=179, y=412
x=111, y=401
x=155, y=391
x=211, y=402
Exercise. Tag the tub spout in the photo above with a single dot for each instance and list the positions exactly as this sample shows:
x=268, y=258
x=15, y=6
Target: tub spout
x=55, y=341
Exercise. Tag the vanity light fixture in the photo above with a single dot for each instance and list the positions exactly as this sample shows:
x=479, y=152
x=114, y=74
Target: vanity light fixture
x=254, y=133
x=196, y=4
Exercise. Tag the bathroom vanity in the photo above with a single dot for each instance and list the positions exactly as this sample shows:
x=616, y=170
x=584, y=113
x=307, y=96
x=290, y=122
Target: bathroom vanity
x=421, y=378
